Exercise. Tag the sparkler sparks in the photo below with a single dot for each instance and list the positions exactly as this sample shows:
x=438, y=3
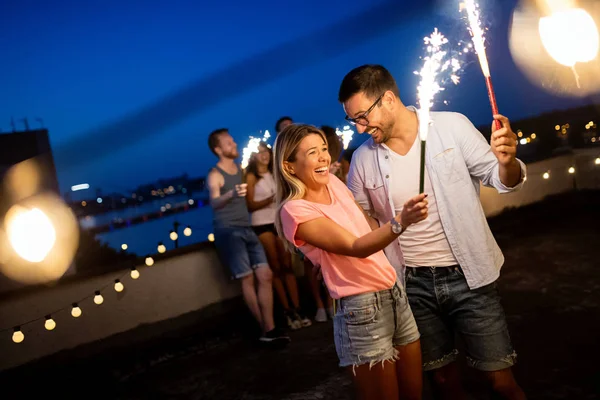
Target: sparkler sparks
x=345, y=135
x=436, y=70
x=252, y=147
x=477, y=34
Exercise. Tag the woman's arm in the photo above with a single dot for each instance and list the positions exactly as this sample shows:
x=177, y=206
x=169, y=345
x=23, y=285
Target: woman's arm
x=255, y=205
x=373, y=223
x=331, y=237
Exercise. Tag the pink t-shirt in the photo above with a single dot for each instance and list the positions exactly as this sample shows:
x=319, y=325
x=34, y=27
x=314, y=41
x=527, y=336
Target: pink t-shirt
x=343, y=275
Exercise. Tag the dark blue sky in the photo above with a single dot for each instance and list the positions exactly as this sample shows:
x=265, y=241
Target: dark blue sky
x=130, y=89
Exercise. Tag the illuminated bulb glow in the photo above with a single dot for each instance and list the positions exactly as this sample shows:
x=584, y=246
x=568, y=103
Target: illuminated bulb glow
x=571, y=170
x=98, y=299
x=173, y=236
x=119, y=286
x=597, y=161
x=546, y=175
x=50, y=324
x=149, y=261
x=76, y=311
x=161, y=248
x=187, y=231
x=135, y=274
x=211, y=237
x=30, y=233
x=570, y=36
x=18, y=336
x=124, y=246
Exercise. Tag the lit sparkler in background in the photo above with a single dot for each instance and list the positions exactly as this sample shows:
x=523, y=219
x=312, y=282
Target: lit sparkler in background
x=252, y=147
x=478, y=37
x=438, y=67
x=346, y=136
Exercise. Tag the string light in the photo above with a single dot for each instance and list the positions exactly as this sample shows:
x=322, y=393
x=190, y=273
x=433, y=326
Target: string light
x=98, y=299
x=124, y=246
x=18, y=336
x=187, y=231
x=211, y=236
x=119, y=286
x=135, y=274
x=546, y=175
x=76, y=311
x=191, y=202
x=49, y=324
x=149, y=261
x=597, y=161
x=571, y=170
x=161, y=247
x=173, y=236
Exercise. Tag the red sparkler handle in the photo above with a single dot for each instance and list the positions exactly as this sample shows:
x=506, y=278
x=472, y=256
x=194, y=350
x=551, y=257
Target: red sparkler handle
x=492, y=96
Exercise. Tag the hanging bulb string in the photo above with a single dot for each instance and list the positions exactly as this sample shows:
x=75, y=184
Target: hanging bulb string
x=52, y=314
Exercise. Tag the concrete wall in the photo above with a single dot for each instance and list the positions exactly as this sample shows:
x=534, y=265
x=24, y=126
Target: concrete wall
x=168, y=289
x=189, y=282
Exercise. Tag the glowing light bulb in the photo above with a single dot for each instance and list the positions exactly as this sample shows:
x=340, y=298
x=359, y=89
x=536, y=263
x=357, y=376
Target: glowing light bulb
x=173, y=236
x=572, y=170
x=134, y=273
x=149, y=261
x=30, y=233
x=161, y=248
x=187, y=231
x=76, y=311
x=18, y=336
x=211, y=237
x=570, y=36
x=557, y=127
x=98, y=299
x=49, y=324
x=124, y=246
x=191, y=202
x=546, y=175
x=533, y=135
x=119, y=286
x=597, y=161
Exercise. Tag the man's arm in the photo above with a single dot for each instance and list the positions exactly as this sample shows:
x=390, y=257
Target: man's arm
x=215, y=182
x=495, y=164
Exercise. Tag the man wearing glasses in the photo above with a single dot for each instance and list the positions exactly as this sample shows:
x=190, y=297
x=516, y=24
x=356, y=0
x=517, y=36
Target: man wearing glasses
x=450, y=262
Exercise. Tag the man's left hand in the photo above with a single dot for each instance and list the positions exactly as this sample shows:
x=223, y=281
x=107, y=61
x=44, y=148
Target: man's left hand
x=503, y=141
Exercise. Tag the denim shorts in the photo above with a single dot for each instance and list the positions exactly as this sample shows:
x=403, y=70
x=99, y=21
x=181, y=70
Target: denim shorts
x=443, y=305
x=240, y=250
x=367, y=327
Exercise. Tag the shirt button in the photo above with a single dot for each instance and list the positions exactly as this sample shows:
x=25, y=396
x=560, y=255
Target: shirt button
x=387, y=176
x=374, y=186
x=386, y=157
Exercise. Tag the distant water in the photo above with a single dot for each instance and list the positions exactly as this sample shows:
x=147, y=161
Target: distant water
x=143, y=238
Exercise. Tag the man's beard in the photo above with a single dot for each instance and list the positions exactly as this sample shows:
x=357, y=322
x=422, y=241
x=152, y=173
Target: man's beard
x=232, y=155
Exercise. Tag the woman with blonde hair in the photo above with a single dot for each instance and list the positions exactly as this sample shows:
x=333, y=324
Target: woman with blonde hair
x=373, y=327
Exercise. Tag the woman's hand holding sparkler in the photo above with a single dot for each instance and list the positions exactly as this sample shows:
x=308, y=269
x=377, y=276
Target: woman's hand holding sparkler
x=503, y=141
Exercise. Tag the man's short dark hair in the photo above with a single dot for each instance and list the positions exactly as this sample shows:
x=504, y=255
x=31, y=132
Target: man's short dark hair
x=372, y=80
x=213, y=139
x=280, y=121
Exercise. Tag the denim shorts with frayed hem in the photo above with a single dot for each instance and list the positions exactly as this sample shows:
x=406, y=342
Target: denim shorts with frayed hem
x=443, y=304
x=368, y=327
x=240, y=250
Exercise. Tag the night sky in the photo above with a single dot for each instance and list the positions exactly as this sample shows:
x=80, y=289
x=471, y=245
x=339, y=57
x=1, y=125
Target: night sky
x=130, y=89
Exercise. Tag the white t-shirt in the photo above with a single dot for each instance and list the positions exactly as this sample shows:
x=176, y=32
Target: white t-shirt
x=423, y=244
x=264, y=188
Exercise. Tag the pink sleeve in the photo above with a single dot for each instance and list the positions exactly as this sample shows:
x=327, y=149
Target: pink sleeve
x=294, y=213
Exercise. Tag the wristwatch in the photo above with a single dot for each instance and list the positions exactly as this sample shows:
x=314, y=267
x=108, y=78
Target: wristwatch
x=397, y=227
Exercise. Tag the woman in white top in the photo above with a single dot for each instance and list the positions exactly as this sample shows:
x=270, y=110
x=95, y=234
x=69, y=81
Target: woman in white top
x=261, y=204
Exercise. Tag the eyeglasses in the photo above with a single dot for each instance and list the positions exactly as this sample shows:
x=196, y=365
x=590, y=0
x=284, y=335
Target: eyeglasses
x=362, y=119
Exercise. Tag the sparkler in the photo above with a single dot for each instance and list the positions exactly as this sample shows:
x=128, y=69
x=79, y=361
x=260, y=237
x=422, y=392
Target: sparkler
x=478, y=37
x=346, y=136
x=437, y=69
x=252, y=147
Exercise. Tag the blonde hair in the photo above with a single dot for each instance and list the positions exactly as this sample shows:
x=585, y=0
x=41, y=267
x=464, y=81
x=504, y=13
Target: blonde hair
x=289, y=187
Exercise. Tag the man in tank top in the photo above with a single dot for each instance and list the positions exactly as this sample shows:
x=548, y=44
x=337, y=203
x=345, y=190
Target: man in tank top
x=237, y=245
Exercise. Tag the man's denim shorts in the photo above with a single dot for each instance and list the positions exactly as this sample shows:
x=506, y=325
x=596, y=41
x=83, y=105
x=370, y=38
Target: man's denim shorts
x=240, y=250
x=368, y=327
x=443, y=304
